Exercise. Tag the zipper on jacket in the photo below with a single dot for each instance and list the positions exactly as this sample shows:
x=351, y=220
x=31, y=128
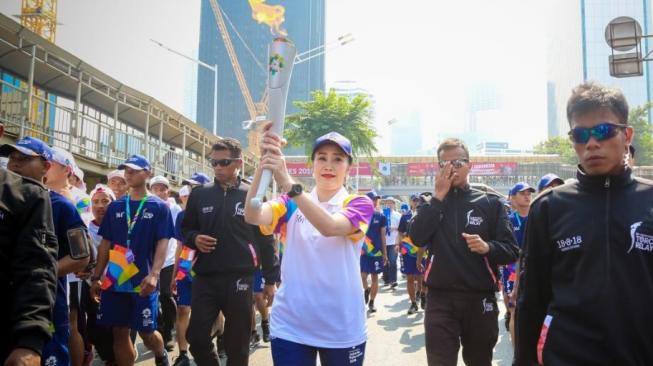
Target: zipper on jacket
x=224, y=203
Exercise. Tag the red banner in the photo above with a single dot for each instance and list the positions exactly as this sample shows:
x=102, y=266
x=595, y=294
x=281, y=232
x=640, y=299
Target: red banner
x=478, y=169
x=303, y=170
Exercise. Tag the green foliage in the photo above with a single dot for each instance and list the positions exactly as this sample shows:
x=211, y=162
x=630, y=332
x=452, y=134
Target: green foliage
x=643, y=140
x=332, y=112
x=557, y=145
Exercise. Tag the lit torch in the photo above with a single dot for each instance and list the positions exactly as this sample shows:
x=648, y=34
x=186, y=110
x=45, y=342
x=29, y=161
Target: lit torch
x=281, y=60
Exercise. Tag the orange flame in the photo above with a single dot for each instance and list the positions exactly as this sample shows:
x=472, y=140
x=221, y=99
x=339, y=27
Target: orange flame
x=272, y=15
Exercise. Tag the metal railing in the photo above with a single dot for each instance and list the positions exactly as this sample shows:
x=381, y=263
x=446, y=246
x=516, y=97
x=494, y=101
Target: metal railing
x=103, y=141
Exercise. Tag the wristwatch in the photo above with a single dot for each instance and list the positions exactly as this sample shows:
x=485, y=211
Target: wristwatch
x=295, y=190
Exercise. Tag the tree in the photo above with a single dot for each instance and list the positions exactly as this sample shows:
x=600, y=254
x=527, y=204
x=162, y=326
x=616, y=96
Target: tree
x=643, y=140
x=557, y=145
x=332, y=112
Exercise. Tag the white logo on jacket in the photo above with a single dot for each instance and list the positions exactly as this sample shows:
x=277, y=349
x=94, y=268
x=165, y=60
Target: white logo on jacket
x=207, y=209
x=473, y=220
x=241, y=286
x=570, y=243
x=119, y=215
x=640, y=241
x=239, y=210
x=147, y=215
x=488, y=306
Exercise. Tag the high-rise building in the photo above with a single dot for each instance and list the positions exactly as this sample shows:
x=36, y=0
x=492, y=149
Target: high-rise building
x=305, y=23
x=563, y=60
x=595, y=16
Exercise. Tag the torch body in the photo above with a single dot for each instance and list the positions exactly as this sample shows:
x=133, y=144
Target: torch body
x=281, y=61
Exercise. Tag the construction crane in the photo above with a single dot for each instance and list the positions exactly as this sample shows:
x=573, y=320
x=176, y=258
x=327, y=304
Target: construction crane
x=40, y=16
x=259, y=109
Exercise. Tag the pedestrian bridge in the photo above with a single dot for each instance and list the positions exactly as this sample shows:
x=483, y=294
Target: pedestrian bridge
x=49, y=93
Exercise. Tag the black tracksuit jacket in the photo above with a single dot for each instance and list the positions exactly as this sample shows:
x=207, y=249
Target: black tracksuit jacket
x=28, y=263
x=240, y=248
x=587, y=268
x=453, y=267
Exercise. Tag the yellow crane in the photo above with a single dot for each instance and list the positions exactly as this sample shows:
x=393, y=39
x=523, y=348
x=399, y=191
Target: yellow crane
x=40, y=16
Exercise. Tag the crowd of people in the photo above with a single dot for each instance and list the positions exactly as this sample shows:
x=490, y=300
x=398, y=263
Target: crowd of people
x=86, y=273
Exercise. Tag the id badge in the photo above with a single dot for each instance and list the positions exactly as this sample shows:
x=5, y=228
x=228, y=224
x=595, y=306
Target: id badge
x=130, y=256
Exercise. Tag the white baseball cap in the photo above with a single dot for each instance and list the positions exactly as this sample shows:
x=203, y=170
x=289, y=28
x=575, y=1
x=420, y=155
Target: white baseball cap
x=159, y=180
x=63, y=157
x=116, y=173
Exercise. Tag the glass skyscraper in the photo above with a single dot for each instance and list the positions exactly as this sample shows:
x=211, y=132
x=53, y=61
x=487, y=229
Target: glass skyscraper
x=305, y=23
x=595, y=16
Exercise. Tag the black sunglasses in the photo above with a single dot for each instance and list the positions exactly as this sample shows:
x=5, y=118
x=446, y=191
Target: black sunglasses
x=223, y=162
x=458, y=163
x=602, y=131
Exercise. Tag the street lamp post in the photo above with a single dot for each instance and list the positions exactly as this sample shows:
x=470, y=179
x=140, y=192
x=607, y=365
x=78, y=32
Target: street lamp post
x=213, y=68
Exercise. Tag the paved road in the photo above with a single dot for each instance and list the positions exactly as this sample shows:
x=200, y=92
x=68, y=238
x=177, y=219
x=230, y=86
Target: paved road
x=394, y=337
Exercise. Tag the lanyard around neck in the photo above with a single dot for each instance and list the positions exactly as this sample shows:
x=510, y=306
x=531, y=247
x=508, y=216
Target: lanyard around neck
x=131, y=222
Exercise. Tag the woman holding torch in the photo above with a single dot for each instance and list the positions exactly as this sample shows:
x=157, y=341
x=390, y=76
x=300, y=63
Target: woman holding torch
x=319, y=308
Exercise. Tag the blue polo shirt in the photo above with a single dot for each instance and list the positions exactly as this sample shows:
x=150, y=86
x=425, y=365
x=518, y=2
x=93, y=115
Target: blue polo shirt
x=153, y=224
x=403, y=222
x=519, y=226
x=65, y=217
x=178, y=221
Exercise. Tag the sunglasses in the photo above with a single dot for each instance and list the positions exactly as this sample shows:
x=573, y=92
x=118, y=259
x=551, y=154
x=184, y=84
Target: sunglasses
x=223, y=162
x=458, y=163
x=601, y=132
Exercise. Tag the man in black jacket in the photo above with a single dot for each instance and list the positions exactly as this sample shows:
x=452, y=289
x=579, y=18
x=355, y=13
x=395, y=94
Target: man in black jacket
x=229, y=251
x=468, y=235
x=586, y=283
x=28, y=268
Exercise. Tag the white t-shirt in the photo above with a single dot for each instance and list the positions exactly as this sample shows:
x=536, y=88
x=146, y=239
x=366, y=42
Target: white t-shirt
x=320, y=301
x=391, y=239
x=175, y=209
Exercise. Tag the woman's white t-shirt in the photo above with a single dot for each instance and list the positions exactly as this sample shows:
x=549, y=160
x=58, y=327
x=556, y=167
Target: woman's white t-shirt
x=320, y=301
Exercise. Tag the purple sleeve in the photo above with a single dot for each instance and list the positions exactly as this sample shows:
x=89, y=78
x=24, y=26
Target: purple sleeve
x=279, y=208
x=358, y=210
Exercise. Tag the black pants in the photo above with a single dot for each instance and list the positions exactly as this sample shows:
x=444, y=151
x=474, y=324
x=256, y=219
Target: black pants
x=168, y=305
x=231, y=294
x=455, y=319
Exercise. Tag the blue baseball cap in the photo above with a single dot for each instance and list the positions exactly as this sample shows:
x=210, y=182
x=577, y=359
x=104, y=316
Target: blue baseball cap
x=520, y=187
x=197, y=179
x=29, y=146
x=547, y=180
x=372, y=195
x=414, y=197
x=335, y=138
x=136, y=162
x=404, y=207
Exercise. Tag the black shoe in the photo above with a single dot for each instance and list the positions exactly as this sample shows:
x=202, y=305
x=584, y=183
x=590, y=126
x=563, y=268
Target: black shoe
x=254, y=340
x=222, y=353
x=422, y=301
x=182, y=360
x=371, y=307
x=367, y=296
x=393, y=285
x=162, y=361
x=265, y=327
x=413, y=309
